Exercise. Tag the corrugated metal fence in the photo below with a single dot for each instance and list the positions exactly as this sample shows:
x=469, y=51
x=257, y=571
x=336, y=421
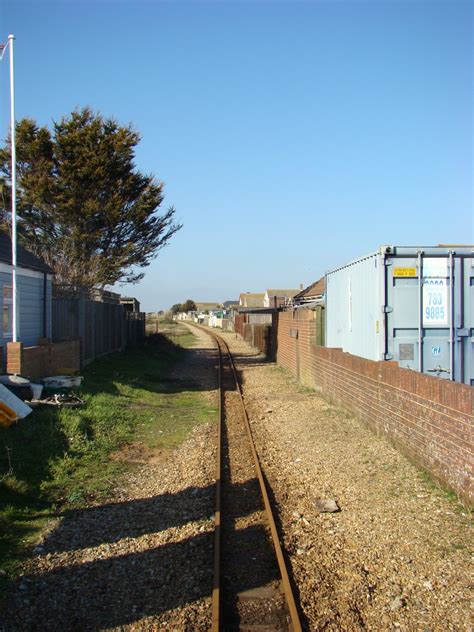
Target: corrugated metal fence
x=102, y=327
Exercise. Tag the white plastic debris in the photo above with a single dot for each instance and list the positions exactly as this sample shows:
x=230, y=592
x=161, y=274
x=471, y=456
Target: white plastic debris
x=14, y=402
x=62, y=381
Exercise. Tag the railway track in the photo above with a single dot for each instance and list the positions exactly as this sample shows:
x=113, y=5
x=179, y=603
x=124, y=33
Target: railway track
x=252, y=589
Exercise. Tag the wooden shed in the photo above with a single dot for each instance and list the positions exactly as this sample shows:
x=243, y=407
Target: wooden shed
x=34, y=295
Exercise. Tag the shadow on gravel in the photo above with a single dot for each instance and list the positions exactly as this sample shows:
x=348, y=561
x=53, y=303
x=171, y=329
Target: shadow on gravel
x=111, y=590
x=109, y=523
x=149, y=373
x=153, y=366
x=247, y=361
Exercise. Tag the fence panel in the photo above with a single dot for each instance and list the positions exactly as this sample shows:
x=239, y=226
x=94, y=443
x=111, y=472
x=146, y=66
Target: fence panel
x=101, y=326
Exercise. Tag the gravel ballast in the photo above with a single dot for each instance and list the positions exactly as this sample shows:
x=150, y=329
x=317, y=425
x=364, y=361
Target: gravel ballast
x=397, y=554
x=371, y=542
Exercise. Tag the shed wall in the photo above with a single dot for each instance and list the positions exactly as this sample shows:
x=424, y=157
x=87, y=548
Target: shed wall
x=30, y=307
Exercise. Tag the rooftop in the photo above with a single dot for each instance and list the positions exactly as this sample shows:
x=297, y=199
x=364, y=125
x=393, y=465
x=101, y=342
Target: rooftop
x=25, y=259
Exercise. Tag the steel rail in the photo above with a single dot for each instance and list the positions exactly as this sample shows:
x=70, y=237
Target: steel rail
x=290, y=598
x=287, y=588
x=216, y=586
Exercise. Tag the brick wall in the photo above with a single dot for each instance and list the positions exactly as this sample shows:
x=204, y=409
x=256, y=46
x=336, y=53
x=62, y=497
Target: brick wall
x=43, y=360
x=429, y=419
x=296, y=332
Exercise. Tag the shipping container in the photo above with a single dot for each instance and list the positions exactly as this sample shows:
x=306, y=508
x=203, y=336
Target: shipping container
x=413, y=305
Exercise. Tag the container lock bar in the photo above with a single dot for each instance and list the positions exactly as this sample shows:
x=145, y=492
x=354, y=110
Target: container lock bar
x=439, y=370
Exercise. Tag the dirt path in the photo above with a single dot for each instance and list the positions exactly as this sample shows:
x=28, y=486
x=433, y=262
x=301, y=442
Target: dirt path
x=396, y=557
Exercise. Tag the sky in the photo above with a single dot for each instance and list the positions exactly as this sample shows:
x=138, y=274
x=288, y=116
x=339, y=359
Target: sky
x=292, y=136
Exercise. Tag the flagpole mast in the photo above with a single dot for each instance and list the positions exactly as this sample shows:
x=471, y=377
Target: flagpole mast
x=13, y=153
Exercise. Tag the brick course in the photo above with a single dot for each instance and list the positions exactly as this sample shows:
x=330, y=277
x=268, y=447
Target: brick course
x=427, y=418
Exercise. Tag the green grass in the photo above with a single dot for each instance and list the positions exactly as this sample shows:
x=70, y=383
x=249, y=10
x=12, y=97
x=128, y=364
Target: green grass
x=55, y=460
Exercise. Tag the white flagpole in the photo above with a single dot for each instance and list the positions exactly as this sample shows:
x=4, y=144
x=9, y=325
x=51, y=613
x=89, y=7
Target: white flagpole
x=13, y=152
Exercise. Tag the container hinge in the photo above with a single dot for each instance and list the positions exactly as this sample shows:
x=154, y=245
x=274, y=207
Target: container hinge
x=387, y=356
x=462, y=333
x=388, y=262
x=386, y=309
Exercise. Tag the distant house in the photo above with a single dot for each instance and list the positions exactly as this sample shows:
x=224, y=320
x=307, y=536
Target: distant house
x=228, y=305
x=311, y=294
x=207, y=307
x=278, y=297
x=247, y=299
x=34, y=295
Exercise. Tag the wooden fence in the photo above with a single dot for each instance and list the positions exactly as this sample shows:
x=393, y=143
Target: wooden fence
x=262, y=336
x=101, y=326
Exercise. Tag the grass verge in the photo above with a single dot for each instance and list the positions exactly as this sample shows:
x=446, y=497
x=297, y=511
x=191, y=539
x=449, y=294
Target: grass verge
x=55, y=460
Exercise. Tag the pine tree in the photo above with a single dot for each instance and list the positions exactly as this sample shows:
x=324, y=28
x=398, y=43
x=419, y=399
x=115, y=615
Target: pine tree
x=83, y=206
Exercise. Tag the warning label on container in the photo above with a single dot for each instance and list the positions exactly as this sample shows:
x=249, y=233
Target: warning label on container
x=404, y=272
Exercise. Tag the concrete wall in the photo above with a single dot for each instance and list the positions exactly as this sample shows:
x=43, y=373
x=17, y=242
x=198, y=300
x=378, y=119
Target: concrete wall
x=430, y=420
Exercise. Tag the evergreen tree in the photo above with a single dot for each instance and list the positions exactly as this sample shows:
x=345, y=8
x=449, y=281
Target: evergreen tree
x=82, y=204
x=189, y=306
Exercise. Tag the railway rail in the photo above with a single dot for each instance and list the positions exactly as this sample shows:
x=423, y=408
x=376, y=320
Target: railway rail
x=252, y=589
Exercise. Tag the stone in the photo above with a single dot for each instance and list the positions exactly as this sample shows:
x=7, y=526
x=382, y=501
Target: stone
x=397, y=603
x=326, y=505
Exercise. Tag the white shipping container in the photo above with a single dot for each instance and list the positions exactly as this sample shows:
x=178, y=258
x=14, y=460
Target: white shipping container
x=414, y=305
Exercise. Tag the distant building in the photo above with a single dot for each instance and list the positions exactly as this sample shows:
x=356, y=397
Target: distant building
x=228, y=305
x=311, y=294
x=207, y=307
x=247, y=299
x=278, y=298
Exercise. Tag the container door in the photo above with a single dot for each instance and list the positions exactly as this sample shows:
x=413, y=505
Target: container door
x=437, y=313
x=430, y=320
x=418, y=314
x=403, y=313
x=465, y=334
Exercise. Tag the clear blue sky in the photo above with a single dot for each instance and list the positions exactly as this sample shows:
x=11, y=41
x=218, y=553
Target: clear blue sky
x=291, y=136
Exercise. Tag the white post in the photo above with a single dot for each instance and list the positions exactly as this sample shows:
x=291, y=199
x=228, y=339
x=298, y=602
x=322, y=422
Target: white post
x=13, y=152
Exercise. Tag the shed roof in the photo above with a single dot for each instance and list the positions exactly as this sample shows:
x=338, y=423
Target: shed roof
x=315, y=289
x=25, y=259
